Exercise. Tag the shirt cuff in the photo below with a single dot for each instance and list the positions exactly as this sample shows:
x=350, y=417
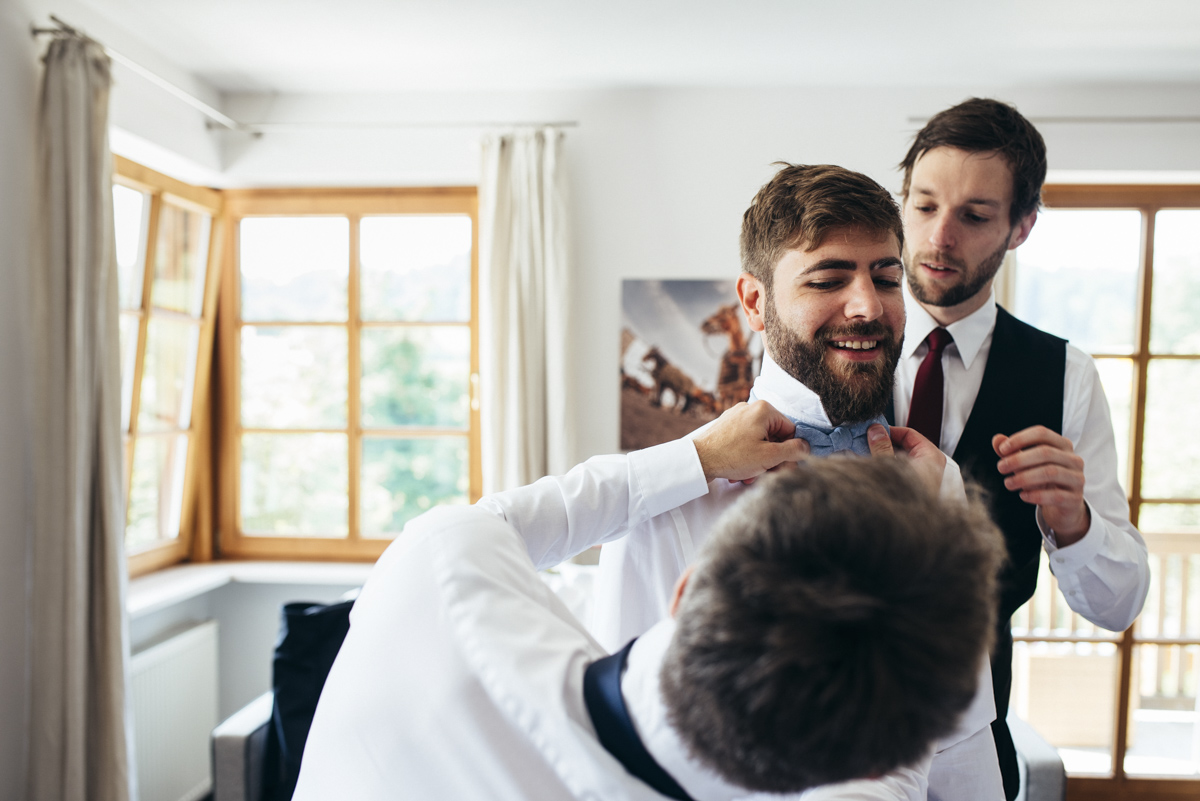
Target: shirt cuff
x=952, y=488
x=1071, y=558
x=668, y=475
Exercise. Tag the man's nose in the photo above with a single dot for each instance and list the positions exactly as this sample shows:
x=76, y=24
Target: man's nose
x=863, y=302
x=943, y=234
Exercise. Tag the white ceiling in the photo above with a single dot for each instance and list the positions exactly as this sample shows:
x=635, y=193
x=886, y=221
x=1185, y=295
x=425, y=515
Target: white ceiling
x=406, y=45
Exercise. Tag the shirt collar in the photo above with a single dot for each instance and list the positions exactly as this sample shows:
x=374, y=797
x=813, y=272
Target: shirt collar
x=778, y=388
x=969, y=333
x=640, y=688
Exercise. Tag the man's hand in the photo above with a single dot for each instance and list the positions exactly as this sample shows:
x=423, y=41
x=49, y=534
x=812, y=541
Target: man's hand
x=1043, y=467
x=746, y=441
x=927, y=461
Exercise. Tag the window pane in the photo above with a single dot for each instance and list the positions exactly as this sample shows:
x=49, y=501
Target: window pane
x=416, y=376
x=1047, y=612
x=1116, y=376
x=401, y=478
x=416, y=268
x=294, y=485
x=1171, y=459
x=156, y=491
x=1068, y=692
x=1077, y=277
x=168, y=374
x=129, y=336
x=294, y=377
x=1173, y=597
x=1164, y=739
x=1174, y=326
x=1169, y=516
x=180, y=260
x=131, y=215
x=295, y=268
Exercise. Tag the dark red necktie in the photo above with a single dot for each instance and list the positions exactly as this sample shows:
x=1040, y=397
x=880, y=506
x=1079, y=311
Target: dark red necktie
x=925, y=413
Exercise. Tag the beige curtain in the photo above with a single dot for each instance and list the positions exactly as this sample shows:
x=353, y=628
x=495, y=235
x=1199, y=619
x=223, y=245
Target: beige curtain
x=79, y=744
x=525, y=381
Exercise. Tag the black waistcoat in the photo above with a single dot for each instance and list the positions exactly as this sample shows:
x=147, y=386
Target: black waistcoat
x=1022, y=387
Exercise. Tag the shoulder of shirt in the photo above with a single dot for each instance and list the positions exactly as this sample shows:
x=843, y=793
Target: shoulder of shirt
x=1080, y=364
x=464, y=535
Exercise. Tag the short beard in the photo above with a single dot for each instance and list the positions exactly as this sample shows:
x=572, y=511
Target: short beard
x=974, y=280
x=857, y=392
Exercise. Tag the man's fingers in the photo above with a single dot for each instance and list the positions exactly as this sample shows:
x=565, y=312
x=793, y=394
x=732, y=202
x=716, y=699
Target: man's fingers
x=909, y=440
x=779, y=427
x=1040, y=455
x=1046, y=476
x=1028, y=438
x=879, y=441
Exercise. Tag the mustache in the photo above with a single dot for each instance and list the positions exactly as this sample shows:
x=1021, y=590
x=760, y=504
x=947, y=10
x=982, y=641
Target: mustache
x=939, y=257
x=868, y=328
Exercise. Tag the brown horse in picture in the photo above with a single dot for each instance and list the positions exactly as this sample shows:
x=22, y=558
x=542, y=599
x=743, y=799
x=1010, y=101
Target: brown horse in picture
x=736, y=374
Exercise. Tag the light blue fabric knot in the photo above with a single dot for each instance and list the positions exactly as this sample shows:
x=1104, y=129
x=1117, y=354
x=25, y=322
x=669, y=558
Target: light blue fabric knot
x=847, y=437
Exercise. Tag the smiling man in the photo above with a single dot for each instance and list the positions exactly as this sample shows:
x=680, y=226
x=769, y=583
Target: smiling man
x=822, y=280
x=1022, y=412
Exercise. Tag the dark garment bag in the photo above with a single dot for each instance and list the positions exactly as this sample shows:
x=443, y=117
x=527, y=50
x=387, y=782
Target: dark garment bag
x=309, y=641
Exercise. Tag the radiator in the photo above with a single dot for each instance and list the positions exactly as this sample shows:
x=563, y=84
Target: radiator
x=174, y=685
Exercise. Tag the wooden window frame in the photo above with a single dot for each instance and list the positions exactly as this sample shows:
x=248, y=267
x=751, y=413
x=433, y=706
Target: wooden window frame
x=195, y=532
x=353, y=204
x=1147, y=199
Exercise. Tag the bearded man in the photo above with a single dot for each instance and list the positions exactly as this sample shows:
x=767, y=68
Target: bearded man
x=822, y=280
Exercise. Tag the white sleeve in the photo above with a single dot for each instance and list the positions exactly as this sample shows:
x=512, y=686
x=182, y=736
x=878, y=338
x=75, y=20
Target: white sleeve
x=902, y=784
x=1104, y=576
x=597, y=501
x=968, y=769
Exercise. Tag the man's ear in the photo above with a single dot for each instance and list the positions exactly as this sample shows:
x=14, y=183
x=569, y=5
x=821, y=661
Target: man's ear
x=1021, y=230
x=680, y=586
x=753, y=296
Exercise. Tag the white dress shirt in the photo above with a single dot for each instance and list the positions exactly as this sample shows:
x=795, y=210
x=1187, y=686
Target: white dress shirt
x=1104, y=576
x=639, y=571
x=462, y=674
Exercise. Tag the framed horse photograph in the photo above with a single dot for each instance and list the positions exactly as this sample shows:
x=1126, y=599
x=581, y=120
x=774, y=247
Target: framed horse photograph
x=687, y=354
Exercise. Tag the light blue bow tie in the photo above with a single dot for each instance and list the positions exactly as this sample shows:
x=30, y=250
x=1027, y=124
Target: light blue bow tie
x=846, y=437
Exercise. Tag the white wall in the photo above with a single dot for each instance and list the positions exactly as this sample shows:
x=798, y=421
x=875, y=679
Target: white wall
x=18, y=77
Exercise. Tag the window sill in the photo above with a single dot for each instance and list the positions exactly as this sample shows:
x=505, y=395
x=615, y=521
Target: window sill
x=164, y=588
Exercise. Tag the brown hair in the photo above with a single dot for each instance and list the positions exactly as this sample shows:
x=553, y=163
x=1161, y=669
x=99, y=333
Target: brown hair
x=981, y=125
x=834, y=626
x=802, y=204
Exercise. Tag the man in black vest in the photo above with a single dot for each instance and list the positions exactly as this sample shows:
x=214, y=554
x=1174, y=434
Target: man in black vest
x=1021, y=411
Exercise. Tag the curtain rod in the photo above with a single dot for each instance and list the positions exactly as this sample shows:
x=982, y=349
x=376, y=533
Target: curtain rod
x=1096, y=120
x=224, y=120
x=219, y=119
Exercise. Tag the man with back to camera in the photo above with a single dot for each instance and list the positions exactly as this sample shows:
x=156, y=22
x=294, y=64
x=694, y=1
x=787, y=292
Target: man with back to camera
x=1003, y=390
x=816, y=641
x=822, y=280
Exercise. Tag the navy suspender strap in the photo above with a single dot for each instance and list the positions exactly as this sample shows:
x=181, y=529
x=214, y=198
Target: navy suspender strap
x=606, y=706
